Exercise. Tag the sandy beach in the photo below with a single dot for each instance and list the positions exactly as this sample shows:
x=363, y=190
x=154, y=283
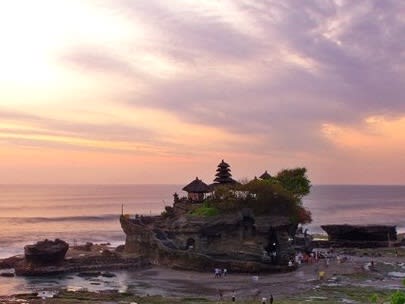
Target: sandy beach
x=174, y=283
x=347, y=269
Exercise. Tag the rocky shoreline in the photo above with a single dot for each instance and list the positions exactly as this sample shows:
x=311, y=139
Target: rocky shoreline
x=85, y=258
x=380, y=270
x=350, y=274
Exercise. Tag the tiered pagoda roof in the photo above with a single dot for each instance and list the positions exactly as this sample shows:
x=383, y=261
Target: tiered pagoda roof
x=223, y=175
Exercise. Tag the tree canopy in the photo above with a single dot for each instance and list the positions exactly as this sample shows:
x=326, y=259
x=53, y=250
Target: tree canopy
x=279, y=195
x=295, y=181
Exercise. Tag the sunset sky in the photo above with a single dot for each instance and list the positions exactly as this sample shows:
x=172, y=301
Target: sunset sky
x=149, y=91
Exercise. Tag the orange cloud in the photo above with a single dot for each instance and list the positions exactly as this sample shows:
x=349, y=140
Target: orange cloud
x=377, y=133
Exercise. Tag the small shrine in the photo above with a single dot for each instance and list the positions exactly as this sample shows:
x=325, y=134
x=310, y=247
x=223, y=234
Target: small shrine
x=265, y=175
x=196, y=190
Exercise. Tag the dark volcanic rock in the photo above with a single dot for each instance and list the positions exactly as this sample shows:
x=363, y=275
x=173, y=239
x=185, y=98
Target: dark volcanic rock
x=89, y=274
x=46, y=252
x=85, y=247
x=120, y=249
x=373, y=234
x=108, y=275
x=91, y=266
x=238, y=241
x=10, y=262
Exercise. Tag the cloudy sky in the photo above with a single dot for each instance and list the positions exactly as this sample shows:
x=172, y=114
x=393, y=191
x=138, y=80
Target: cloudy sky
x=136, y=91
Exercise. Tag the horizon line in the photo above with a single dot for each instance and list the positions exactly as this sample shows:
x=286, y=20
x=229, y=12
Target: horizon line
x=164, y=184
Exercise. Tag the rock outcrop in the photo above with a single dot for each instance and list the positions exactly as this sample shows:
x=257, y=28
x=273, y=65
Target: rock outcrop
x=10, y=262
x=238, y=241
x=360, y=235
x=46, y=252
x=47, y=258
x=80, y=264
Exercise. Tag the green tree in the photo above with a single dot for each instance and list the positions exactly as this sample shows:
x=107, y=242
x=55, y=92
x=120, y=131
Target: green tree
x=271, y=197
x=274, y=196
x=295, y=181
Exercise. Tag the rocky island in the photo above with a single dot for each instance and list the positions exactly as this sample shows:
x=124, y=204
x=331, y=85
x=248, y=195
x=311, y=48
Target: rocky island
x=361, y=236
x=244, y=227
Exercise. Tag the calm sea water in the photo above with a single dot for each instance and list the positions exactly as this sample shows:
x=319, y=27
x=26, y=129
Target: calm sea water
x=75, y=213
x=91, y=212
x=340, y=204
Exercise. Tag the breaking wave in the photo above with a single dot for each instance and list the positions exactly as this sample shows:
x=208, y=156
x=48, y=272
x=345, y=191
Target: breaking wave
x=98, y=218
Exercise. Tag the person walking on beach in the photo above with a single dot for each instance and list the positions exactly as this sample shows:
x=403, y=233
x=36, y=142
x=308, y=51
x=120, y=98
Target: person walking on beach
x=233, y=296
x=271, y=299
x=221, y=294
x=264, y=300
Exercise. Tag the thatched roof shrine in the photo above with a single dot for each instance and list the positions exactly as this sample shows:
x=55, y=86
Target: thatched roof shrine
x=265, y=175
x=197, y=186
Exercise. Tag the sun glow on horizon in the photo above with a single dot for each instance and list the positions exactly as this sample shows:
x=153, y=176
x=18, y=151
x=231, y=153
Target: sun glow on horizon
x=375, y=135
x=180, y=84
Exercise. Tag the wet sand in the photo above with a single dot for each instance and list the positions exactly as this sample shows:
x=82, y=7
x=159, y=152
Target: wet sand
x=174, y=283
x=355, y=271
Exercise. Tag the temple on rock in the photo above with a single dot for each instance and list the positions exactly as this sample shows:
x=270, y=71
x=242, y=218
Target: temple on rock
x=207, y=229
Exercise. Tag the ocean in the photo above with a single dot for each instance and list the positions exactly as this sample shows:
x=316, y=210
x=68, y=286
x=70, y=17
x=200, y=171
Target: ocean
x=78, y=214
x=74, y=213
x=354, y=204
x=90, y=213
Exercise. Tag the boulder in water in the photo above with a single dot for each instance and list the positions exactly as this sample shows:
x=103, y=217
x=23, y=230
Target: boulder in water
x=46, y=252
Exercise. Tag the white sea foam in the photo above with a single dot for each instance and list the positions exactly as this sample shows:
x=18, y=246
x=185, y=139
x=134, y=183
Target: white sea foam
x=397, y=274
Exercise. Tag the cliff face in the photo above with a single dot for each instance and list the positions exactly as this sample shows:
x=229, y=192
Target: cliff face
x=238, y=241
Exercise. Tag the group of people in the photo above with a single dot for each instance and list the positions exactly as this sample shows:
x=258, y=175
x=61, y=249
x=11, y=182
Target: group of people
x=315, y=256
x=264, y=300
x=270, y=300
x=218, y=272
